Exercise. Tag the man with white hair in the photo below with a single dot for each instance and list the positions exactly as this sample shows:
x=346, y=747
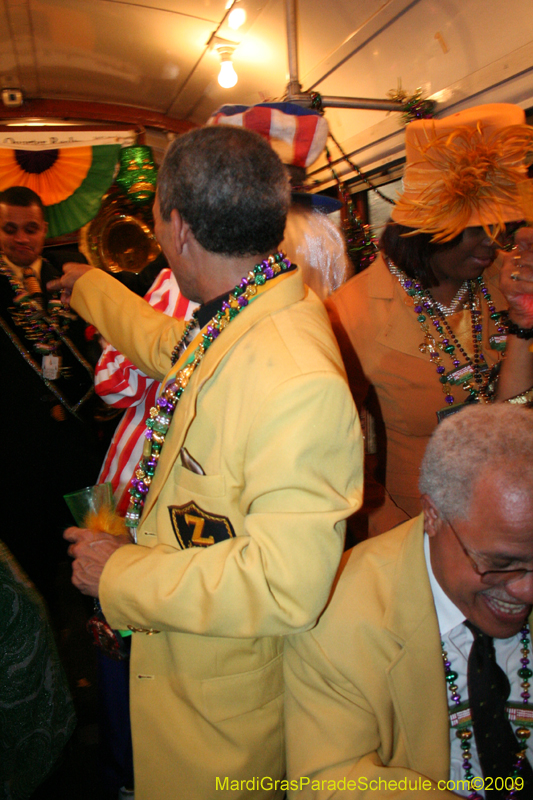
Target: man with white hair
x=427, y=630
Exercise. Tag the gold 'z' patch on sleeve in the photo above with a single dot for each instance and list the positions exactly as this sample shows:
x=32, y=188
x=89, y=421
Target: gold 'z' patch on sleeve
x=195, y=527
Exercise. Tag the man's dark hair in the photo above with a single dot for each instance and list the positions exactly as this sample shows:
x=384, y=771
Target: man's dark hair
x=229, y=186
x=412, y=254
x=21, y=196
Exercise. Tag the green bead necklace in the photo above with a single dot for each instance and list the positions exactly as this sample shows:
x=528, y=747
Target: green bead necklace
x=465, y=733
x=158, y=423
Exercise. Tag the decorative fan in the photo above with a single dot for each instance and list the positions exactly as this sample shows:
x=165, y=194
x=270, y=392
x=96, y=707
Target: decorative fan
x=71, y=181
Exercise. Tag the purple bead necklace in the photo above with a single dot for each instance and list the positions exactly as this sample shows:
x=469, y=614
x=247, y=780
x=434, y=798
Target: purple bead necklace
x=464, y=733
x=431, y=317
x=158, y=422
x=42, y=328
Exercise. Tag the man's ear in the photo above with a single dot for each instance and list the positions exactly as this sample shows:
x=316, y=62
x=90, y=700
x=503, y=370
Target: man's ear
x=180, y=230
x=431, y=515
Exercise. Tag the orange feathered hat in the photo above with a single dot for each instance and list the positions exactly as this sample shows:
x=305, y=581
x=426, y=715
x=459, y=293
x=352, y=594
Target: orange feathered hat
x=463, y=171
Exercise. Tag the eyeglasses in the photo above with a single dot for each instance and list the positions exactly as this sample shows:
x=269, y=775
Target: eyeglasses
x=490, y=576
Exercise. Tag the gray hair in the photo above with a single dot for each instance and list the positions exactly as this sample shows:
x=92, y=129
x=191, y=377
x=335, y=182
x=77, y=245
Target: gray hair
x=229, y=186
x=477, y=438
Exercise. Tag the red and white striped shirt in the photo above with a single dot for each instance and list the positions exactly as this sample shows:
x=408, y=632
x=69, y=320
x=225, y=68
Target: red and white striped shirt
x=121, y=385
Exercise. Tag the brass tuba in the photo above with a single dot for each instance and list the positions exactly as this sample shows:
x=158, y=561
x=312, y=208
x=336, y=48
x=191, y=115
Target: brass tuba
x=121, y=235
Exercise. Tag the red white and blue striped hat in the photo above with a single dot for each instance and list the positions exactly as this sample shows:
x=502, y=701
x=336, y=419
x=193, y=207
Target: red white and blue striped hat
x=298, y=135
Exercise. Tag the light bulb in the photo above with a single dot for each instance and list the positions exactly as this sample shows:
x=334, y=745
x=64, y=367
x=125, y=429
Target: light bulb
x=227, y=77
x=236, y=18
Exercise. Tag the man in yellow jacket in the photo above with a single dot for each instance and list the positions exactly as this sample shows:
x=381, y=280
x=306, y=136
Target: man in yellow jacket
x=253, y=460
x=429, y=626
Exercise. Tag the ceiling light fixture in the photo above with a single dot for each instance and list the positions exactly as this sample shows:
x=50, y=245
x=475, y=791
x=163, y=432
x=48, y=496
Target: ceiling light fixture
x=227, y=77
x=236, y=18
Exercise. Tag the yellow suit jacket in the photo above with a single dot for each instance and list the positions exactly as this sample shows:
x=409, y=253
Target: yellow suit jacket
x=269, y=417
x=379, y=337
x=365, y=690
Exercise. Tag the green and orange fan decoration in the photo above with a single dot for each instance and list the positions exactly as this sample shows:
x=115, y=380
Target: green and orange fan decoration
x=71, y=181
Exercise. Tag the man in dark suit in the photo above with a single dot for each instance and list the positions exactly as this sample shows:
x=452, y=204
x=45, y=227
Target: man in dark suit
x=50, y=445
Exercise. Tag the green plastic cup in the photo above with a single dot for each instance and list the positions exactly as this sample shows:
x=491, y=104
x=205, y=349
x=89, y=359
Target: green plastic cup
x=90, y=499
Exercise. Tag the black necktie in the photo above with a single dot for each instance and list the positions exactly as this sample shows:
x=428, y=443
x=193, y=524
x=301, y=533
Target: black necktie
x=488, y=690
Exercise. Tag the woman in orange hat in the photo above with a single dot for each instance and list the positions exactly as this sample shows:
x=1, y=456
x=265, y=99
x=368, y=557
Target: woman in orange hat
x=426, y=324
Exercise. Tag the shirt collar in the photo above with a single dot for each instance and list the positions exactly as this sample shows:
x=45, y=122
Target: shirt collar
x=18, y=271
x=448, y=615
x=207, y=311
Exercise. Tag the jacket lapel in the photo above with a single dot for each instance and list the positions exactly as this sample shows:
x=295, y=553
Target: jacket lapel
x=416, y=678
x=290, y=289
x=398, y=333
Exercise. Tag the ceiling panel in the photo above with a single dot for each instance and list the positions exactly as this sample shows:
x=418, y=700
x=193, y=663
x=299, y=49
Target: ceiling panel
x=433, y=44
x=115, y=52
x=323, y=28
x=19, y=30
x=203, y=9
x=7, y=52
